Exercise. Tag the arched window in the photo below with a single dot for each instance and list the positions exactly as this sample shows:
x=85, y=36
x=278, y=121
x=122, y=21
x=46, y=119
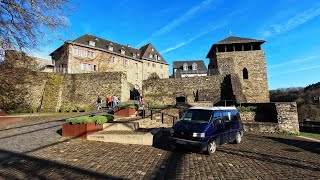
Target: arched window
x=245, y=73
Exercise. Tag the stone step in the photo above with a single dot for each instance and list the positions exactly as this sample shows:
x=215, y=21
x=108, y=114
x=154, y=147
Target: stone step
x=121, y=126
x=126, y=137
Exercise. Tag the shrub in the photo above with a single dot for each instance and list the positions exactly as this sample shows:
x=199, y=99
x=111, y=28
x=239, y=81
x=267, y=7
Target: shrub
x=83, y=108
x=124, y=106
x=69, y=109
x=94, y=119
x=80, y=120
x=102, y=119
x=246, y=108
x=62, y=109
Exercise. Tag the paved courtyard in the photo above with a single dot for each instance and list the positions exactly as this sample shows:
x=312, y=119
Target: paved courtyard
x=33, y=149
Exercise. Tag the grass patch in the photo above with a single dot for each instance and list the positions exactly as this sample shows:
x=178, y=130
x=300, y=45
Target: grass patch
x=93, y=119
x=311, y=135
x=246, y=108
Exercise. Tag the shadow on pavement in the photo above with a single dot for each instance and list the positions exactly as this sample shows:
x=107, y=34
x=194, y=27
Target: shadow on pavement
x=18, y=166
x=310, y=146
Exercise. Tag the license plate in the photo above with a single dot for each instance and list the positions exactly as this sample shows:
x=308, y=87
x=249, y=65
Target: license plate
x=181, y=142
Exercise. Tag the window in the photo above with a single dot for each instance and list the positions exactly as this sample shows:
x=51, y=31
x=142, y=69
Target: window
x=226, y=116
x=161, y=76
x=194, y=66
x=94, y=68
x=150, y=56
x=134, y=55
x=156, y=57
x=83, y=53
x=81, y=67
x=159, y=58
x=152, y=49
x=136, y=65
x=92, y=43
x=136, y=75
x=245, y=73
x=161, y=66
x=185, y=67
x=148, y=64
x=125, y=62
x=110, y=48
x=113, y=59
x=154, y=65
x=123, y=51
x=75, y=51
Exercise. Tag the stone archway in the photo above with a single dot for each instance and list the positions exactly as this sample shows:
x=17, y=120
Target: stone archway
x=180, y=99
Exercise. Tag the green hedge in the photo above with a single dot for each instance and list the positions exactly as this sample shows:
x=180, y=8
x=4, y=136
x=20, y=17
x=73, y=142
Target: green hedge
x=93, y=119
x=125, y=106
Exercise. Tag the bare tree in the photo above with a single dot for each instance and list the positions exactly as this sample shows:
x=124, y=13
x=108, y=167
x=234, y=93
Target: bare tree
x=24, y=23
x=154, y=76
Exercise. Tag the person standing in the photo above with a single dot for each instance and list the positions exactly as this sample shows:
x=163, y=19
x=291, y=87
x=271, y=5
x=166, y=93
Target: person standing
x=110, y=101
x=99, y=102
x=142, y=101
x=115, y=101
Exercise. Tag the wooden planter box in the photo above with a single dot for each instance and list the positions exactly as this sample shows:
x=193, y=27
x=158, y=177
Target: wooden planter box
x=2, y=113
x=80, y=130
x=124, y=112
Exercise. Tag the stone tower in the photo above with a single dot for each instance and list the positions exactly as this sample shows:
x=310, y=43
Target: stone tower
x=244, y=60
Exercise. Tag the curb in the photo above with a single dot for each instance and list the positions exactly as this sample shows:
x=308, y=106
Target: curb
x=311, y=139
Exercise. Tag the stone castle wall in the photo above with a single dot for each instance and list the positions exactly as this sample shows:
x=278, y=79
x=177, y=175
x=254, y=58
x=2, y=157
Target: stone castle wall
x=165, y=91
x=51, y=91
x=255, y=88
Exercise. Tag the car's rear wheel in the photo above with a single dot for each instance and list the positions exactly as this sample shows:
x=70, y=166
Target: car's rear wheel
x=212, y=147
x=238, y=138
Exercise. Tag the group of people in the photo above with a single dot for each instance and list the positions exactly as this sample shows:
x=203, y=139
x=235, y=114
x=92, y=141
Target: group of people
x=111, y=101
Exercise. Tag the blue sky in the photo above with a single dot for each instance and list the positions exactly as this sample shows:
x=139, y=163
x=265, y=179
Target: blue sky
x=185, y=30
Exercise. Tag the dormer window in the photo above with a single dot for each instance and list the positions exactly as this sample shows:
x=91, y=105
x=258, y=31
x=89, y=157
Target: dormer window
x=134, y=55
x=156, y=57
x=122, y=51
x=159, y=58
x=185, y=67
x=92, y=43
x=194, y=66
x=150, y=56
x=110, y=48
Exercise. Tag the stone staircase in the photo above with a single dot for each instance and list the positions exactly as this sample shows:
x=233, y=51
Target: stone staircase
x=142, y=131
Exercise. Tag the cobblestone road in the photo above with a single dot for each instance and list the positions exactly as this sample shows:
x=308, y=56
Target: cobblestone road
x=34, y=150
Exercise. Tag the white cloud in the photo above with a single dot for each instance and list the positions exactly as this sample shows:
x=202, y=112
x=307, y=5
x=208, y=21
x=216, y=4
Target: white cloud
x=178, y=21
x=298, y=70
x=192, y=39
x=294, y=61
x=292, y=23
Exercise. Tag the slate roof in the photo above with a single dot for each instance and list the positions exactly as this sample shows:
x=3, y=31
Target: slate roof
x=235, y=40
x=201, y=67
x=142, y=53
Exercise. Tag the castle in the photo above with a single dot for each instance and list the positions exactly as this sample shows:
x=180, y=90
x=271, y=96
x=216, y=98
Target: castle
x=237, y=69
x=237, y=72
x=89, y=53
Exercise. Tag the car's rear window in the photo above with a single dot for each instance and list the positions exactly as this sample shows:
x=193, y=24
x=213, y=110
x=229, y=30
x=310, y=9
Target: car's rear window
x=197, y=115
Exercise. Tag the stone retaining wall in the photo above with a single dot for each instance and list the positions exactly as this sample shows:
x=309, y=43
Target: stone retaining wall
x=51, y=91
